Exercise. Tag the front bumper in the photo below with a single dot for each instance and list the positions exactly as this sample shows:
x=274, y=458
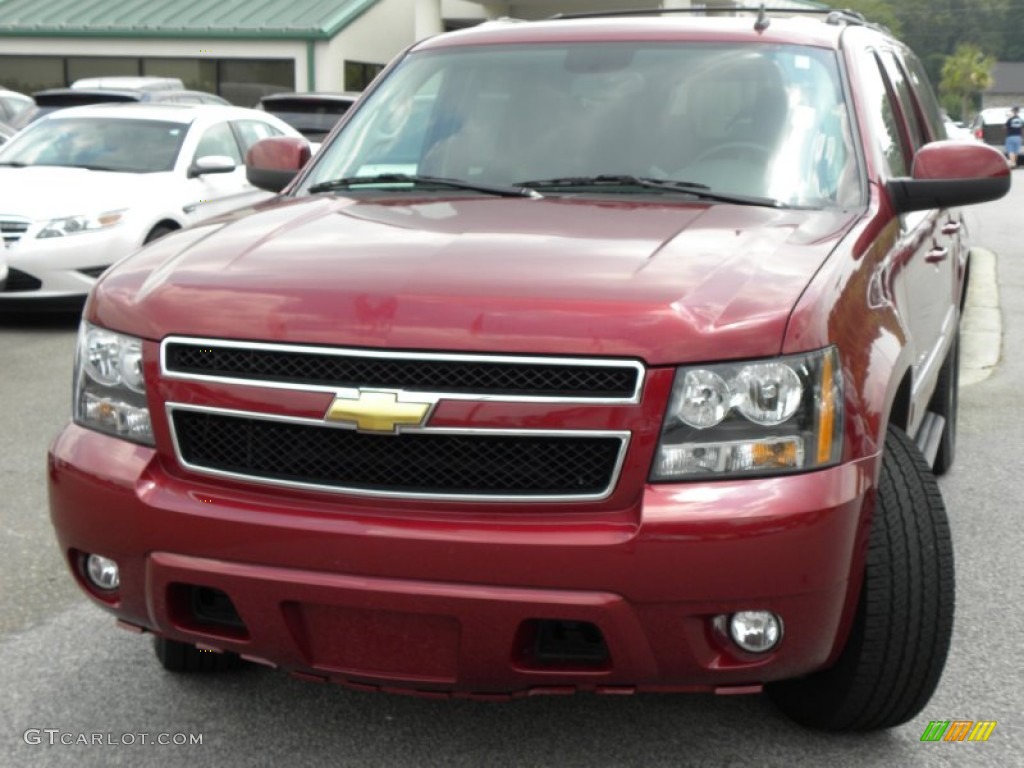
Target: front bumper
x=63, y=268
x=446, y=601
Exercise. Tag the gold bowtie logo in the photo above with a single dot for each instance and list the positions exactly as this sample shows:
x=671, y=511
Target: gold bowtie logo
x=377, y=412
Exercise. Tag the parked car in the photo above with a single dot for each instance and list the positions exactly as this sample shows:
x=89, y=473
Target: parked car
x=13, y=104
x=85, y=186
x=131, y=82
x=313, y=114
x=955, y=130
x=53, y=99
x=614, y=355
x=989, y=126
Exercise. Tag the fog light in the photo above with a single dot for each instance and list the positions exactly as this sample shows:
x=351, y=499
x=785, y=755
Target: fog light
x=102, y=572
x=755, y=631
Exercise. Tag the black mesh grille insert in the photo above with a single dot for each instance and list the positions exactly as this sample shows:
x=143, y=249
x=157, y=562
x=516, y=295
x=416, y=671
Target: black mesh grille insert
x=481, y=377
x=417, y=463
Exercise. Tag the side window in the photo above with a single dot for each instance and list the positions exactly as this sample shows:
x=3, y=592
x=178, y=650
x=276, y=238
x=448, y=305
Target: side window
x=925, y=96
x=885, y=119
x=251, y=131
x=919, y=135
x=219, y=140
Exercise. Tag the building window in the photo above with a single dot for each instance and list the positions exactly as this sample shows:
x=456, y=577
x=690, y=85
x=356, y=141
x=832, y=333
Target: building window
x=240, y=81
x=244, y=81
x=196, y=74
x=78, y=67
x=359, y=74
x=26, y=74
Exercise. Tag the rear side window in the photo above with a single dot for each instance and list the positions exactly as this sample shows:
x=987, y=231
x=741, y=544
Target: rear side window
x=918, y=131
x=925, y=95
x=219, y=140
x=251, y=131
x=886, y=133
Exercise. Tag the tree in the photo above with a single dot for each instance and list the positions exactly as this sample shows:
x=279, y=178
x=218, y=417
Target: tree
x=877, y=12
x=965, y=75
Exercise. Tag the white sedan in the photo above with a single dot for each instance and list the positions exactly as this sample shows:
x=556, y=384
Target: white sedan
x=86, y=186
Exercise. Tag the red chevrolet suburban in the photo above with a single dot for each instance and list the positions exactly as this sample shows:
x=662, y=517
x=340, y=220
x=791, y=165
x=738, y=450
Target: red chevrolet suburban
x=594, y=354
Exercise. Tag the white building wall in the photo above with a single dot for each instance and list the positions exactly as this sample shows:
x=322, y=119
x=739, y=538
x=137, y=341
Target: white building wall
x=470, y=9
x=376, y=37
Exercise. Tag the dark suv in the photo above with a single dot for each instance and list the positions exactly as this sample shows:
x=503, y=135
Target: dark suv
x=612, y=355
x=314, y=114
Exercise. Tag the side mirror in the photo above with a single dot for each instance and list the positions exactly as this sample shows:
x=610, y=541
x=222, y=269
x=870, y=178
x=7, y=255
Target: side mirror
x=951, y=173
x=271, y=164
x=211, y=164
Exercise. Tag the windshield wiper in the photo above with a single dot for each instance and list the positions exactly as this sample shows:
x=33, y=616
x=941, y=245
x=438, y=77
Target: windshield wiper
x=702, y=191
x=350, y=182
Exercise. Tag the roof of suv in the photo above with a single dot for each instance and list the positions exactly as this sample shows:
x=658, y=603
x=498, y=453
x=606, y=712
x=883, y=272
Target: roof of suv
x=182, y=113
x=813, y=30
x=63, y=97
x=136, y=83
x=992, y=115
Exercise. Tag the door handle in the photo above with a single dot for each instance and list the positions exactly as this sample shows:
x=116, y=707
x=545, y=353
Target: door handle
x=936, y=255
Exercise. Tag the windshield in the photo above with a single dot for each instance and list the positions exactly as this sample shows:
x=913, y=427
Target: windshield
x=129, y=146
x=765, y=121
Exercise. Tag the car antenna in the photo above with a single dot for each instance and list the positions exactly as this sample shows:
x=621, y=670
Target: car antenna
x=762, y=21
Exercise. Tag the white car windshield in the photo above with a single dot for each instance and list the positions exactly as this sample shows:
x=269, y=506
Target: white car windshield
x=125, y=145
x=766, y=121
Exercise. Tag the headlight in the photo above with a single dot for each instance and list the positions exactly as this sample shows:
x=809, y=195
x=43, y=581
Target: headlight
x=73, y=225
x=754, y=418
x=110, y=392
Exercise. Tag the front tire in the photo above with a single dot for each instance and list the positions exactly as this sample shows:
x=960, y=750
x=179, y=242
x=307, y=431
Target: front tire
x=900, y=636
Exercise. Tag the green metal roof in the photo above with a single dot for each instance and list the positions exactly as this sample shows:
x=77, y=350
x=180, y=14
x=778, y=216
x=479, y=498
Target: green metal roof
x=235, y=19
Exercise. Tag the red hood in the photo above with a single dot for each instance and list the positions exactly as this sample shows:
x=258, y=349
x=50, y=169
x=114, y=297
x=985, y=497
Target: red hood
x=664, y=283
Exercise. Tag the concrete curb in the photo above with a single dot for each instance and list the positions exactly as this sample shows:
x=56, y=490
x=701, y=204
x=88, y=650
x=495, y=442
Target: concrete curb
x=981, y=327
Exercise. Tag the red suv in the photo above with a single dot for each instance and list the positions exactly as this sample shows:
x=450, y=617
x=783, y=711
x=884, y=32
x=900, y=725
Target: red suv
x=608, y=354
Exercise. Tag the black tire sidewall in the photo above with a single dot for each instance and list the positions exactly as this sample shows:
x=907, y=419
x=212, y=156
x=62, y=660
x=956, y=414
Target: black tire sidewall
x=897, y=646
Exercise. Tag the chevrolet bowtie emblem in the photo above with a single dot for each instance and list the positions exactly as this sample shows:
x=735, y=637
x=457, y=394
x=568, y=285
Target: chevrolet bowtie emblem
x=377, y=412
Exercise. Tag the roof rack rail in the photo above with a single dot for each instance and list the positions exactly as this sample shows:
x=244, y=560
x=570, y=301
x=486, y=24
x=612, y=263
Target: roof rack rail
x=832, y=15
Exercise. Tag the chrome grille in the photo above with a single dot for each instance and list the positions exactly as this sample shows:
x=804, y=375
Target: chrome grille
x=11, y=229
x=473, y=376
x=521, y=466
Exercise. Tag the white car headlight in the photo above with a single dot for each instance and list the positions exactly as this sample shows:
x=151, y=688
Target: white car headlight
x=73, y=225
x=110, y=391
x=753, y=418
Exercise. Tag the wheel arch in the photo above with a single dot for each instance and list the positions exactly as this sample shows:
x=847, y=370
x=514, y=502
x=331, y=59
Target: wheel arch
x=164, y=226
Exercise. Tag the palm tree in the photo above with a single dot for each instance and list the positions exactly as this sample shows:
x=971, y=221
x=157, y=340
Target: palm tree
x=965, y=75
